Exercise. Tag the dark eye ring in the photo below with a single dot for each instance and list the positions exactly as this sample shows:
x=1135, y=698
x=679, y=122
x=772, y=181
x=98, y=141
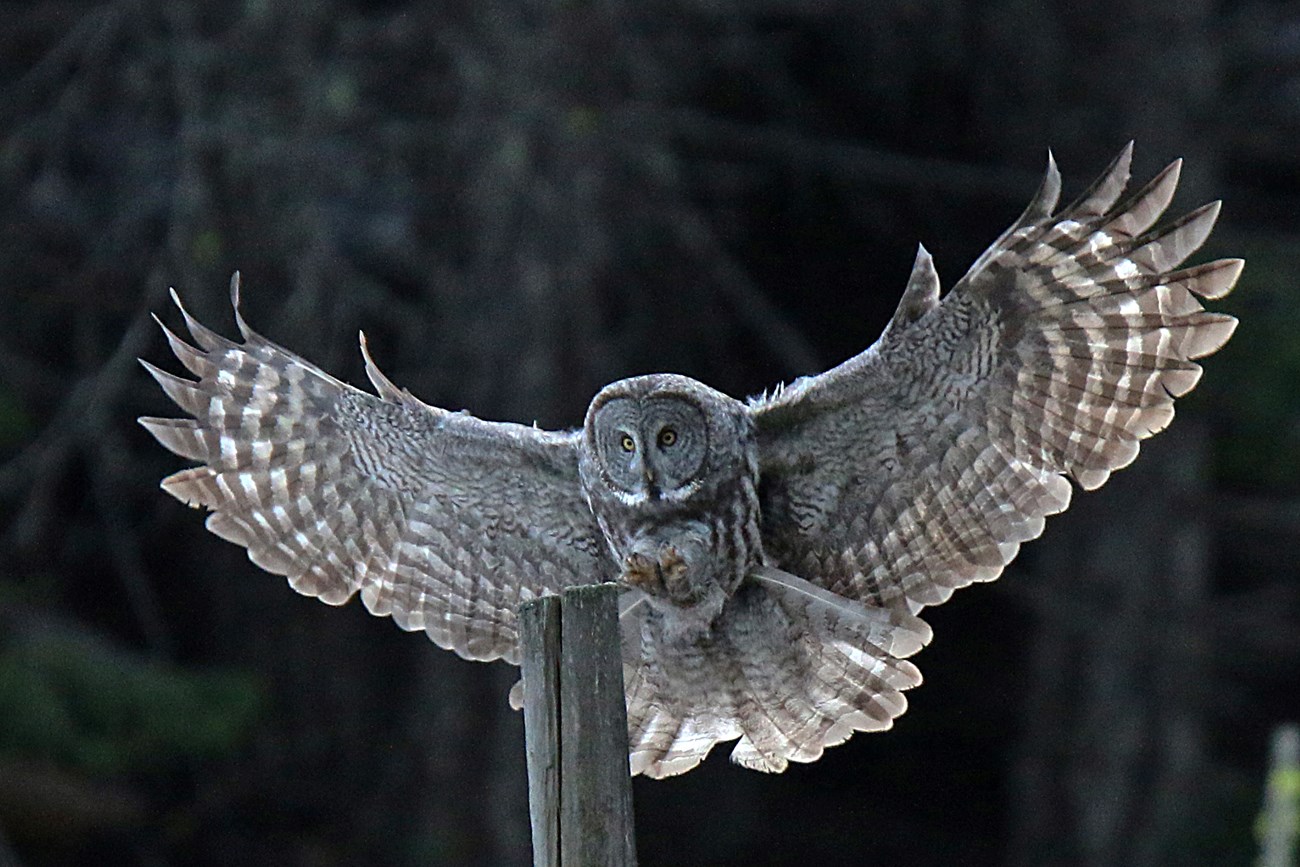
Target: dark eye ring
x=667, y=437
x=628, y=444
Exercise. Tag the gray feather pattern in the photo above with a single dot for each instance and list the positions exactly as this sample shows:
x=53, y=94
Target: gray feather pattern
x=775, y=553
x=920, y=465
x=440, y=520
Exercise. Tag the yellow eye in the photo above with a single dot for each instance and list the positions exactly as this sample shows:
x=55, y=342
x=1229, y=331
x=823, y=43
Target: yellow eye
x=628, y=444
x=667, y=437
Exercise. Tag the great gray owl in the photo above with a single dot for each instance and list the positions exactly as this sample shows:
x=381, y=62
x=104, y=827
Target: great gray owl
x=775, y=552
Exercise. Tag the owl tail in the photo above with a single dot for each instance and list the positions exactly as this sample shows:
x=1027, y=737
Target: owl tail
x=788, y=668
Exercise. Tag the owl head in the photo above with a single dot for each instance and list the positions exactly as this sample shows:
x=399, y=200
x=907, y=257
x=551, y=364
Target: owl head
x=663, y=437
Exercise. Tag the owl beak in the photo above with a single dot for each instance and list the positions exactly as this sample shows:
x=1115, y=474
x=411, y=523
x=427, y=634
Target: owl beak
x=649, y=476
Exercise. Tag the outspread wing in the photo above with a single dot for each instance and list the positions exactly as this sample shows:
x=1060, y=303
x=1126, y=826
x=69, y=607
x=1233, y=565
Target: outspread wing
x=439, y=519
x=920, y=465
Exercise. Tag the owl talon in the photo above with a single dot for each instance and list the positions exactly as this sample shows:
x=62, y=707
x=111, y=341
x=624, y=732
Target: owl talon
x=672, y=573
x=672, y=561
x=666, y=576
x=641, y=572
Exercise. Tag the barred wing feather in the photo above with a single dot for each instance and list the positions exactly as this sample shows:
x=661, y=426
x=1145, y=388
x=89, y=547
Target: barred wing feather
x=439, y=519
x=921, y=465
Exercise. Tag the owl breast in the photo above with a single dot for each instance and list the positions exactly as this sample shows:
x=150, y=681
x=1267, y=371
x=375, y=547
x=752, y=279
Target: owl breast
x=670, y=471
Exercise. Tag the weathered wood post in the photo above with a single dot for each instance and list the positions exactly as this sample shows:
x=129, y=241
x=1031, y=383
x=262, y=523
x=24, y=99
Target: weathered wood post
x=575, y=728
x=539, y=641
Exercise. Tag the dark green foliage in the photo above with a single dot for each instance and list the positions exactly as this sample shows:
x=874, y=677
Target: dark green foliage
x=15, y=425
x=103, y=711
x=1256, y=383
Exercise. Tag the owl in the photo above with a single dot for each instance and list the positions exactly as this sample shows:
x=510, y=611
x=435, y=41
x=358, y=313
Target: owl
x=774, y=553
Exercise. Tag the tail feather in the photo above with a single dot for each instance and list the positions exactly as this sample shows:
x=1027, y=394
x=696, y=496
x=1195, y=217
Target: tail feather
x=785, y=671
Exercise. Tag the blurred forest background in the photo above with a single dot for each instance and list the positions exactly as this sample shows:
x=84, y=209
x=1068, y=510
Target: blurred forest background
x=519, y=202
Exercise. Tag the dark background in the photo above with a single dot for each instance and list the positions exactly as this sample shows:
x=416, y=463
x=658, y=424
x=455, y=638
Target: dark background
x=519, y=202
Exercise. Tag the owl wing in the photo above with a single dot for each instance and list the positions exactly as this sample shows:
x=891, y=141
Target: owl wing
x=441, y=520
x=920, y=465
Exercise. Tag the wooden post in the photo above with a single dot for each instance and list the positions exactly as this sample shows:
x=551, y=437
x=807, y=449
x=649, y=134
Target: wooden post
x=575, y=727
x=539, y=636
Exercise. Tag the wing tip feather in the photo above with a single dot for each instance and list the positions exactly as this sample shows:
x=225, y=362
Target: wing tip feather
x=383, y=385
x=921, y=294
x=1048, y=194
x=249, y=335
x=1224, y=282
x=1212, y=332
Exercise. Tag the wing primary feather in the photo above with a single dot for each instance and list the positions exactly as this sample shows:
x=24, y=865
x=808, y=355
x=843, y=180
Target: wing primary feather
x=1168, y=246
x=195, y=362
x=234, y=290
x=383, y=385
x=1136, y=214
x=248, y=333
x=1040, y=207
x=251, y=337
x=854, y=611
x=185, y=393
x=1213, y=280
x=1045, y=197
x=179, y=435
x=1106, y=190
x=922, y=292
x=203, y=336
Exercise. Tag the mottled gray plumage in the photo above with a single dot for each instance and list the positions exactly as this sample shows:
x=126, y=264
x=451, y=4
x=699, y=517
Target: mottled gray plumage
x=775, y=553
